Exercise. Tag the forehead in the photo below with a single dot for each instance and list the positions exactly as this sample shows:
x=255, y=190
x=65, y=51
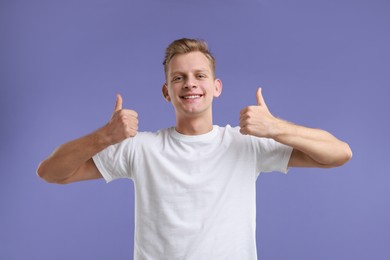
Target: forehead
x=189, y=62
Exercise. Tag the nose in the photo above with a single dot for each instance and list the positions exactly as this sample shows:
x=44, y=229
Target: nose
x=190, y=83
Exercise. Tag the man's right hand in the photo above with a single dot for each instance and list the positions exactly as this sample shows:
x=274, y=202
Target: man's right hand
x=122, y=125
x=73, y=161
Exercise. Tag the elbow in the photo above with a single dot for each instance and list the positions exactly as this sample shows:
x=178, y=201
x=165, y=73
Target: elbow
x=44, y=173
x=41, y=173
x=345, y=155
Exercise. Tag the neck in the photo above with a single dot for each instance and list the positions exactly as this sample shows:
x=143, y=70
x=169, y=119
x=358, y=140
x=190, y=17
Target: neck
x=194, y=126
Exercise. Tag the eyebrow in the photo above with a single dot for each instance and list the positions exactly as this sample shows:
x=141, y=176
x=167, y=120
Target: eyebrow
x=196, y=71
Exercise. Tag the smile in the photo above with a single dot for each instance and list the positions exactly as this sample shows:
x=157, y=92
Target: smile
x=191, y=96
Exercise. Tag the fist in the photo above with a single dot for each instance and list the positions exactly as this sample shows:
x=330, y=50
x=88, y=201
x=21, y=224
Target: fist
x=257, y=120
x=123, y=123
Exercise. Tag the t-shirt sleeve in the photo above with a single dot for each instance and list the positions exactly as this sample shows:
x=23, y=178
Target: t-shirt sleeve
x=272, y=155
x=115, y=161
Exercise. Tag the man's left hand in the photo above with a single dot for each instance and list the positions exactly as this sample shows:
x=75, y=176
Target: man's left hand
x=258, y=120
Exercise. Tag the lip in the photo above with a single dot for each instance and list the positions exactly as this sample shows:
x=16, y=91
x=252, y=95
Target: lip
x=191, y=96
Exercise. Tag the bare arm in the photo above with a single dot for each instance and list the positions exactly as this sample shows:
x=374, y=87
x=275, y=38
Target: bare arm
x=312, y=147
x=72, y=161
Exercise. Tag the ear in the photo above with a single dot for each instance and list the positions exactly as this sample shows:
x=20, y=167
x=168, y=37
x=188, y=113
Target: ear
x=165, y=92
x=218, y=87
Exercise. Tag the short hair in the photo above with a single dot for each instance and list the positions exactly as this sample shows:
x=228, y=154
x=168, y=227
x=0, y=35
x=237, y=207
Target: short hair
x=186, y=45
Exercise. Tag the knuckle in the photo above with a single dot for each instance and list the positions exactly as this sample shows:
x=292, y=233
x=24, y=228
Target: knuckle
x=244, y=130
x=132, y=113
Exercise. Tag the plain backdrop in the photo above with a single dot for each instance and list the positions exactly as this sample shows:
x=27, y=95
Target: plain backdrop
x=321, y=63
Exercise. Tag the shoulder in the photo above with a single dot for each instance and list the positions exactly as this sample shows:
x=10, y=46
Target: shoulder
x=234, y=130
x=229, y=130
x=232, y=134
x=150, y=136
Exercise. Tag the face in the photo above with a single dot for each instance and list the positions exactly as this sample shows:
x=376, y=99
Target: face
x=191, y=85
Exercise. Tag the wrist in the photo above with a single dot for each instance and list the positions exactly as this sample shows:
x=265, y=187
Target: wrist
x=101, y=138
x=280, y=128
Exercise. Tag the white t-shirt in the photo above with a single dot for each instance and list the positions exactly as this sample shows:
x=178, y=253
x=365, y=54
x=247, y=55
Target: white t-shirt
x=195, y=196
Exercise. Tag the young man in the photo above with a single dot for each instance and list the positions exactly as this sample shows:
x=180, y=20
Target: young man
x=194, y=183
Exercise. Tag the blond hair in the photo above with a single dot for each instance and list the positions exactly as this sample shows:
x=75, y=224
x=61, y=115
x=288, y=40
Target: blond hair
x=186, y=45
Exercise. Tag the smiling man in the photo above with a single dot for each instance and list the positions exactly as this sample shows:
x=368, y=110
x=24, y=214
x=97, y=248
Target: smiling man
x=191, y=86
x=195, y=183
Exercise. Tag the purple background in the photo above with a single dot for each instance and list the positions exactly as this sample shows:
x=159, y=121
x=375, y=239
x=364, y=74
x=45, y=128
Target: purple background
x=321, y=64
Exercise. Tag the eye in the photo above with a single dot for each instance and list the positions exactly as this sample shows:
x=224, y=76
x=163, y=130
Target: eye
x=201, y=76
x=177, y=78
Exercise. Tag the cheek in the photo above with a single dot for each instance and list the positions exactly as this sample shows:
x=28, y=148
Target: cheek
x=173, y=92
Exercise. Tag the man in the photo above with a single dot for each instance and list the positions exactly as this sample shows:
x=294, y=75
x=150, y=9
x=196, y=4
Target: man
x=194, y=183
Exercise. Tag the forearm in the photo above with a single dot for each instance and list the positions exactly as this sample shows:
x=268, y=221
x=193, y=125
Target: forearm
x=69, y=157
x=72, y=161
x=312, y=147
x=321, y=146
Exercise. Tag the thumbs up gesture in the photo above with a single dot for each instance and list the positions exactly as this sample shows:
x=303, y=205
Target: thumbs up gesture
x=123, y=123
x=258, y=120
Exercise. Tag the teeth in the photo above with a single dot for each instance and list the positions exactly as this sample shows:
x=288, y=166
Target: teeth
x=191, y=97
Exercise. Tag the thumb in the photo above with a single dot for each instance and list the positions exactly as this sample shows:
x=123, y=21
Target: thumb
x=118, y=103
x=259, y=98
